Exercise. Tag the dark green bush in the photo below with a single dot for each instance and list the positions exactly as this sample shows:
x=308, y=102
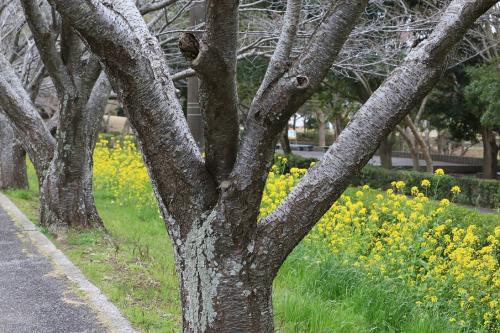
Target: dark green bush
x=474, y=191
x=294, y=161
x=312, y=137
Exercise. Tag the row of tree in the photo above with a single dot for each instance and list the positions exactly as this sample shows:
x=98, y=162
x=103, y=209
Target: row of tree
x=463, y=107
x=226, y=258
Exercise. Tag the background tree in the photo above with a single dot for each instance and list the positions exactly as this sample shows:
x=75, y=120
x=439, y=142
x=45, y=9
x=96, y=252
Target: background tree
x=12, y=158
x=63, y=165
x=14, y=44
x=482, y=95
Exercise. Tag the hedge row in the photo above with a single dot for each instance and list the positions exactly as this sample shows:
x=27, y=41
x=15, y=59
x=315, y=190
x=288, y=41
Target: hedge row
x=474, y=191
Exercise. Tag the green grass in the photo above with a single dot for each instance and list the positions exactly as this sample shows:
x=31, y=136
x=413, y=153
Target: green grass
x=314, y=293
x=133, y=265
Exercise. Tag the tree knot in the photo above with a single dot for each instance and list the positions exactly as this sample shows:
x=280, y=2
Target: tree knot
x=189, y=46
x=301, y=82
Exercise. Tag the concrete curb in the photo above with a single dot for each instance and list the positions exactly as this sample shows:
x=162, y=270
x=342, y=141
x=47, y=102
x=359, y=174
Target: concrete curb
x=107, y=312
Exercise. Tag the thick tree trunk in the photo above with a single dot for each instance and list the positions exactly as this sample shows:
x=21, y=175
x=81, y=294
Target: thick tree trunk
x=385, y=153
x=223, y=288
x=490, y=153
x=285, y=142
x=66, y=193
x=221, y=292
x=66, y=198
x=236, y=305
x=12, y=158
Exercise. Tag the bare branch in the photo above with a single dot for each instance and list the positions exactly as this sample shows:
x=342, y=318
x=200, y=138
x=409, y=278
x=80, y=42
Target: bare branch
x=24, y=118
x=118, y=35
x=215, y=65
x=45, y=40
x=408, y=84
x=269, y=112
x=154, y=6
x=280, y=61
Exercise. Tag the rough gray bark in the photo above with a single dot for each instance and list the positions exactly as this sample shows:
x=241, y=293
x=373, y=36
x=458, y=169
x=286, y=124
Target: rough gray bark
x=285, y=142
x=25, y=120
x=183, y=185
x=12, y=158
x=225, y=259
x=66, y=192
x=270, y=111
x=215, y=64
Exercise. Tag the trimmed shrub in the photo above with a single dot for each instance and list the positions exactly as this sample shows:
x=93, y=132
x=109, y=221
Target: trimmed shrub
x=474, y=191
x=293, y=161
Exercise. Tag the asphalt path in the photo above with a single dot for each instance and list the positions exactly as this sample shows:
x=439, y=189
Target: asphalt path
x=34, y=296
x=375, y=160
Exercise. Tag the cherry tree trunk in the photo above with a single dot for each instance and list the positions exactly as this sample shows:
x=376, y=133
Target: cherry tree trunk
x=385, y=153
x=490, y=153
x=226, y=258
x=12, y=158
x=285, y=142
x=222, y=287
x=66, y=197
x=239, y=303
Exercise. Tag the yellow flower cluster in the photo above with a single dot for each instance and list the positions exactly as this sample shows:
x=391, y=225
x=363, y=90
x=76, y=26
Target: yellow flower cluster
x=410, y=240
x=278, y=185
x=455, y=190
x=414, y=241
x=439, y=172
x=119, y=171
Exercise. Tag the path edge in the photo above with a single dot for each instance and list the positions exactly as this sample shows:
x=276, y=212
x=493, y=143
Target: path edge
x=106, y=311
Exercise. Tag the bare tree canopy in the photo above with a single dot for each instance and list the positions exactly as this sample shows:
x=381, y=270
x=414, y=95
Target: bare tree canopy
x=226, y=258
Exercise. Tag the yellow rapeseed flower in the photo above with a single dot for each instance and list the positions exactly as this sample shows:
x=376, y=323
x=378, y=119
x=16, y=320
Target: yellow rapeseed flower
x=455, y=190
x=439, y=172
x=400, y=184
x=425, y=183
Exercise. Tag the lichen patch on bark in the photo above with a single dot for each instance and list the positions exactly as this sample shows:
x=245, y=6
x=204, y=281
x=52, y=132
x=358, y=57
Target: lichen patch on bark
x=199, y=278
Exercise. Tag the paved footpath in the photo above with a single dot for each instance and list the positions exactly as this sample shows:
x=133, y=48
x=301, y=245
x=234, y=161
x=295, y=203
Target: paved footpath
x=34, y=297
x=41, y=291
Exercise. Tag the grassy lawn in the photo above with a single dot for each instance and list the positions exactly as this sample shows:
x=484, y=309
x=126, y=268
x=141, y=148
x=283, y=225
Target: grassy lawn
x=133, y=265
